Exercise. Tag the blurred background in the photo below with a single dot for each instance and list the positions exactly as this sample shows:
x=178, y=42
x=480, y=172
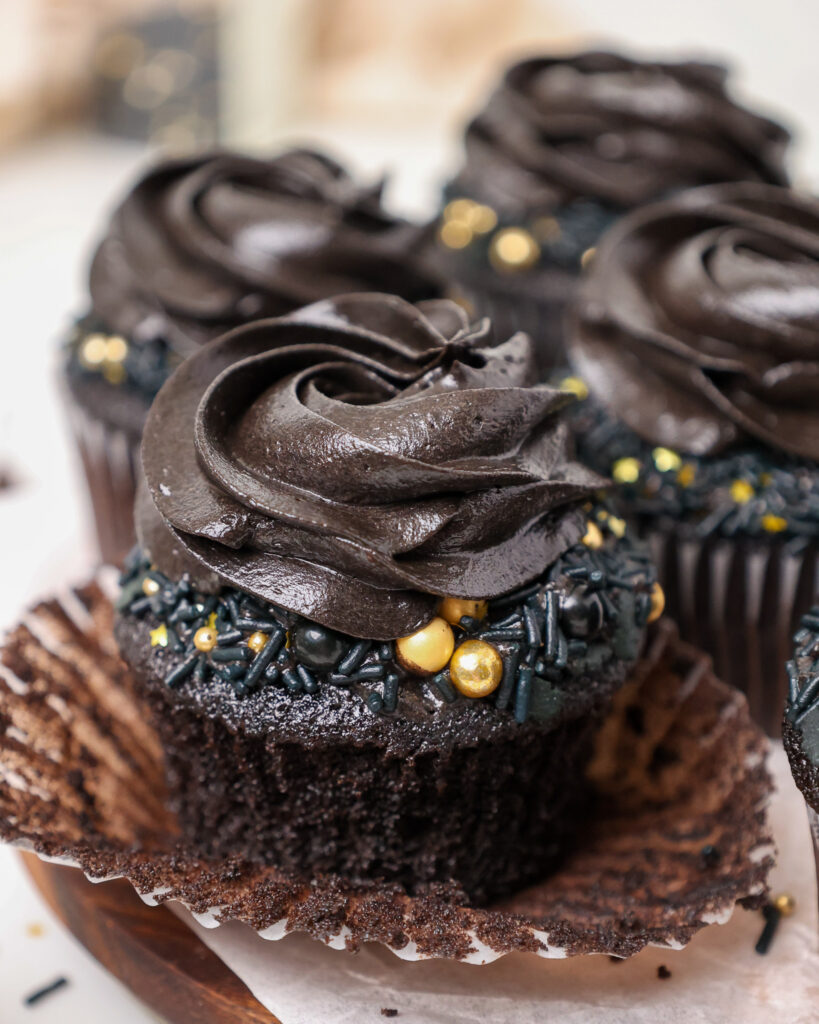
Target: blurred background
x=91, y=89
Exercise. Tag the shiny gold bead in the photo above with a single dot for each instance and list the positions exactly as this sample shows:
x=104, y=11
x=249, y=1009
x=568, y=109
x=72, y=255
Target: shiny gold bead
x=204, y=639
x=483, y=219
x=588, y=256
x=593, y=537
x=453, y=609
x=657, y=603
x=428, y=650
x=460, y=209
x=617, y=526
x=666, y=459
x=116, y=349
x=774, y=524
x=114, y=373
x=513, y=249
x=257, y=641
x=576, y=385
x=741, y=491
x=626, y=471
x=455, y=234
x=476, y=668
x=159, y=636
x=149, y=587
x=686, y=474
x=785, y=904
x=92, y=351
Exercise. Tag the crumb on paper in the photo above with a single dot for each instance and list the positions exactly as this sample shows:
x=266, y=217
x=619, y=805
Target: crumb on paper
x=663, y=972
x=388, y=1011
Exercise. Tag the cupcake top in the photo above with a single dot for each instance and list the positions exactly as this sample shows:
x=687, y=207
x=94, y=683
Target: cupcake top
x=697, y=329
x=358, y=459
x=201, y=245
x=801, y=727
x=602, y=127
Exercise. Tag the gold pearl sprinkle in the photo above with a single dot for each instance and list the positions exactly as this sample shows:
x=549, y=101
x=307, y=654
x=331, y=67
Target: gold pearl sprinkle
x=428, y=650
x=476, y=668
x=576, y=385
x=149, y=587
x=257, y=641
x=666, y=460
x=588, y=256
x=92, y=351
x=455, y=234
x=626, y=471
x=785, y=904
x=483, y=219
x=204, y=639
x=741, y=491
x=657, y=603
x=686, y=474
x=593, y=537
x=617, y=526
x=159, y=636
x=513, y=250
x=453, y=609
x=460, y=209
x=774, y=524
x=116, y=349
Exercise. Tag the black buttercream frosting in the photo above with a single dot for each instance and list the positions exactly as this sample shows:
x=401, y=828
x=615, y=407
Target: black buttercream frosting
x=698, y=322
x=355, y=460
x=201, y=245
x=619, y=131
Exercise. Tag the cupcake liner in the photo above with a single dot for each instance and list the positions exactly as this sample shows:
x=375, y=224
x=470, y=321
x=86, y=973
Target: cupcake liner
x=110, y=458
x=740, y=600
x=680, y=836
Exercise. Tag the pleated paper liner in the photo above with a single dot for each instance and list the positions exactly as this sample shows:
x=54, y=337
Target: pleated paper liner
x=740, y=600
x=680, y=836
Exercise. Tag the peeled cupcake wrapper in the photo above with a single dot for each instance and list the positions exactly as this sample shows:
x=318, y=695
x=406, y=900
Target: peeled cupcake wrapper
x=740, y=601
x=110, y=458
x=679, y=765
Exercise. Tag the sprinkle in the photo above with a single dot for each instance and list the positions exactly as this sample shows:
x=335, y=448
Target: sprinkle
x=626, y=470
x=741, y=491
x=444, y=686
x=663, y=972
x=354, y=657
x=710, y=856
x=576, y=385
x=375, y=702
x=772, y=918
x=391, y=692
x=686, y=474
x=523, y=694
x=773, y=524
x=617, y=526
x=666, y=460
x=46, y=990
x=181, y=672
x=159, y=636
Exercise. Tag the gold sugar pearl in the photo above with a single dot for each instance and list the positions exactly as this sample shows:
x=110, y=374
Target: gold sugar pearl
x=428, y=650
x=773, y=524
x=785, y=904
x=617, y=526
x=657, y=603
x=513, y=249
x=627, y=470
x=149, y=587
x=593, y=537
x=116, y=349
x=576, y=385
x=455, y=234
x=257, y=641
x=666, y=459
x=92, y=351
x=476, y=668
x=461, y=209
x=204, y=639
x=686, y=474
x=741, y=491
x=588, y=256
x=453, y=609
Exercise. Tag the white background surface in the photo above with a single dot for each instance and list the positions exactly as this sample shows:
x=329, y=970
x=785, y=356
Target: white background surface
x=53, y=194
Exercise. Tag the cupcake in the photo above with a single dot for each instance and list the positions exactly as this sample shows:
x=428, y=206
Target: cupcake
x=199, y=246
x=374, y=616
x=696, y=332
x=800, y=732
x=566, y=146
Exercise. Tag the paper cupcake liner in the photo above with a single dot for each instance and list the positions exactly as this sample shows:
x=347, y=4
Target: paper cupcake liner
x=740, y=601
x=680, y=837
x=110, y=458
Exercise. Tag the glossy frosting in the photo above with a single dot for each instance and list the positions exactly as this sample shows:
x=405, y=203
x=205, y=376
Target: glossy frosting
x=622, y=132
x=201, y=245
x=354, y=460
x=698, y=322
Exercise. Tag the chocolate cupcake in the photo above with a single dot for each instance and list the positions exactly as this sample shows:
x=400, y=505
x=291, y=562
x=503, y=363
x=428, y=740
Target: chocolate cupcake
x=374, y=615
x=566, y=146
x=800, y=731
x=199, y=246
x=696, y=332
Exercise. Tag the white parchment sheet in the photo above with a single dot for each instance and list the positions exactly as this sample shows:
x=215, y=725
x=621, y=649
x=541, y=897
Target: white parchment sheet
x=717, y=978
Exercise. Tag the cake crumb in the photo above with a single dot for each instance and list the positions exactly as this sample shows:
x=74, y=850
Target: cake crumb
x=388, y=1011
x=663, y=972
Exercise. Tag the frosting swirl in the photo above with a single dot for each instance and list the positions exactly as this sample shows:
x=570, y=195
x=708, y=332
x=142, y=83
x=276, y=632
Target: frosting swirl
x=698, y=322
x=201, y=245
x=357, y=458
x=623, y=132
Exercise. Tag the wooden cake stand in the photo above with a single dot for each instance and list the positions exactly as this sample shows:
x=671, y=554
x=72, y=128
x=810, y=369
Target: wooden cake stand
x=148, y=949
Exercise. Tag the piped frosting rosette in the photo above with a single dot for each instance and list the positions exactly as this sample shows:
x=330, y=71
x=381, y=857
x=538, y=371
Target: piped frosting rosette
x=356, y=460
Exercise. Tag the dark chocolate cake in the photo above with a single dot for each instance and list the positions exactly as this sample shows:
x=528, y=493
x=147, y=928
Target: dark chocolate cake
x=565, y=146
x=800, y=732
x=377, y=610
x=198, y=246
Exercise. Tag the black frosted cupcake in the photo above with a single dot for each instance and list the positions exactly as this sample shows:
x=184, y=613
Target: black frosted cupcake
x=696, y=332
x=197, y=247
x=564, y=147
x=374, y=615
x=800, y=731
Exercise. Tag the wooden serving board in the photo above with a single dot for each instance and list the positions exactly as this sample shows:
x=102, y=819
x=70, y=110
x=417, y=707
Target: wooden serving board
x=148, y=949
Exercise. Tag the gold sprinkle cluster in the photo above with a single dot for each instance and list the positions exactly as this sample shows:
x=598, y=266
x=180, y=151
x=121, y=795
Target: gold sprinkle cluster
x=105, y=354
